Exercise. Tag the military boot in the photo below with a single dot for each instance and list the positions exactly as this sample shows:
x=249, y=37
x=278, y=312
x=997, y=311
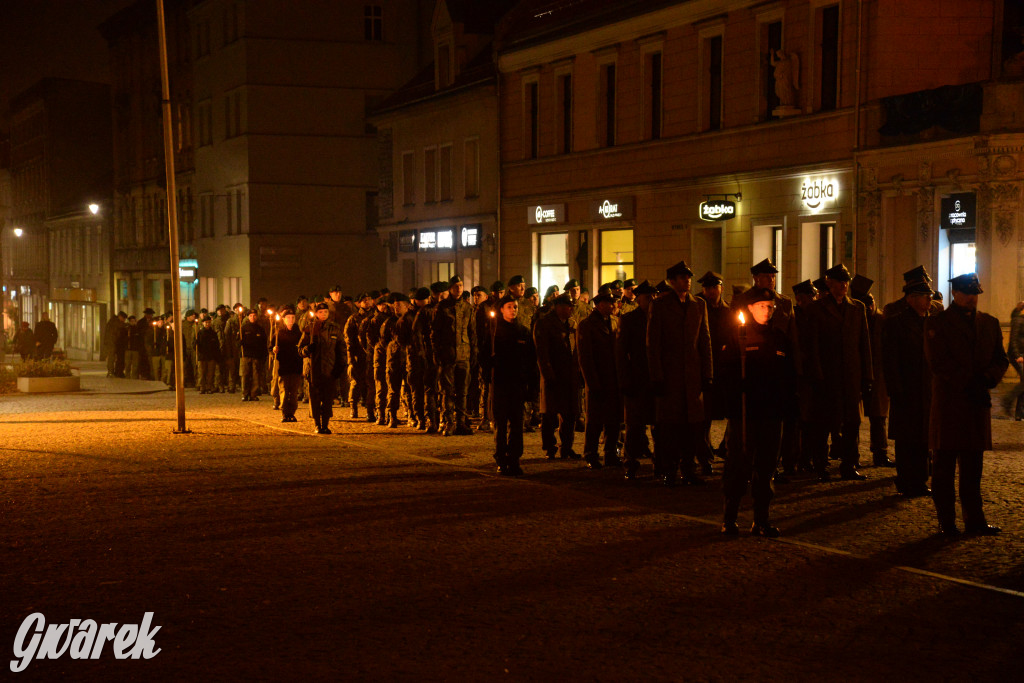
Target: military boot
x=355, y=410
x=393, y=421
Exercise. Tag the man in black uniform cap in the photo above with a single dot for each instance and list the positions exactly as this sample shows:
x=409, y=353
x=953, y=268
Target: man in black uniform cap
x=356, y=355
x=555, y=340
x=414, y=359
x=915, y=275
x=876, y=404
x=719, y=323
x=634, y=378
x=965, y=352
x=254, y=354
x=595, y=340
x=289, y=363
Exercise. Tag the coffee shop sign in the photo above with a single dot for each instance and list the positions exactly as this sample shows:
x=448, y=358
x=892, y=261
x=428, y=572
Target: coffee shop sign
x=815, y=192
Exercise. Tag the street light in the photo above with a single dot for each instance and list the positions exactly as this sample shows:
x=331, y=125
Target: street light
x=18, y=232
x=94, y=209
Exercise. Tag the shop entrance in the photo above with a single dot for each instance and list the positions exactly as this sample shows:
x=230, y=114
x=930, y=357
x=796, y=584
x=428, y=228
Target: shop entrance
x=817, y=249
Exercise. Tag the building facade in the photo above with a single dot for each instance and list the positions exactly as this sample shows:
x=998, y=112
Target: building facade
x=286, y=163
x=636, y=134
x=438, y=142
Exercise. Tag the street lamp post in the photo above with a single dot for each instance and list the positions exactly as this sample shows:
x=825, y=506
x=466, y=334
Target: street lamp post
x=172, y=223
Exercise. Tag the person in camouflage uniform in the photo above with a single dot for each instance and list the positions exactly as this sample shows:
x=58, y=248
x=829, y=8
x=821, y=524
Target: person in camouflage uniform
x=422, y=328
x=453, y=340
x=414, y=366
x=397, y=346
x=232, y=347
x=356, y=354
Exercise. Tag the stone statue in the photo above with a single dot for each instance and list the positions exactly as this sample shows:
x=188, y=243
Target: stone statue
x=787, y=78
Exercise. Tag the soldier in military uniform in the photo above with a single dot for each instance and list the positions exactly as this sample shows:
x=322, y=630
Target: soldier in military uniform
x=188, y=332
x=322, y=343
x=759, y=374
x=220, y=379
x=414, y=359
x=526, y=301
x=231, y=347
x=876, y=404
x=634, y=377
x=483, y=314
x=840, y=364
x=422, y=327
x=909, y=383
x=595, y=341
x=720, y=321
x=254, y=354
x=965, y=352
x=915, y=275
x=391, y=334
x=628, y=302
x=264, y=320
x=555, y=341
x=289, y=363
x=679, y=358
x=805, y=295
x=369, y=335
x=356, y=355
x=385, y=332
x=453, y=340
x=156, y=347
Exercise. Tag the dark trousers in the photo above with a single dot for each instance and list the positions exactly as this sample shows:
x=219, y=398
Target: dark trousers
x=414, y=379
x=846, y=445
x=592, y=437
x=206, y=370
x=275, y=389
x=370, y=387
x=250, y=371
x=476, y=401
x=565, y=424
x=674, y=446
x=321, y=399
x=233, y=372
x=944, y=463
x=288, y=387
x=395, y=379
x=454, y=383
x=789, y=447
x=357, y=380
x=911, y=465
x=485, y=399
x=754, y=464
x=507, y=412
x=380, y=383
x=430, y=393
x=879, y=440
x=636, y=443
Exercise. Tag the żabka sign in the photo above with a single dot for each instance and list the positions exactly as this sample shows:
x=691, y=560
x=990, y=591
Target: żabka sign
x=815, y=192
x=717, y=210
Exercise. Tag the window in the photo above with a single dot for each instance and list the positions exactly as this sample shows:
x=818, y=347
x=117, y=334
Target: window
x=444, y=66
x=204, y=120
x=208, y=292
x=563, y=94
x=445, y=158
x=771, y=44
x=553, y=259
x=430, y=175
x=231, y=288
x=828, y=57
x=653, y=106
x=472, y=168
x=532, y=120
x=443, y=271
x=606, y=105
x=778, y=251
x=616, y=255
x=373, y=22
x=235, y=200
x=234, y=114
x=713, y=82
x=206, y=214
x=408, y=179
x=826, y=246
x=232, y=23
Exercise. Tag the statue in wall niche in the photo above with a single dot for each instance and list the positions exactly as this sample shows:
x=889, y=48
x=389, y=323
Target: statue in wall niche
x=787, y=81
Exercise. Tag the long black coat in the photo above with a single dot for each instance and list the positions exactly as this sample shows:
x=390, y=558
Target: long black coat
x=907, y=376
x=511, y=360
x=207, y=344
x=679, y=356
x=596, y=343
x=324, y=344
x=555, y=342
x=631, y=363
x=770, y=370
x=289, y=360
x=720, y=323
x=840, y=359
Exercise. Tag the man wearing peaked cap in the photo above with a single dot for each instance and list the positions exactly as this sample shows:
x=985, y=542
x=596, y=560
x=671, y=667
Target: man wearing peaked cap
x=764, y=267
x=627, y=303
x=322, y=343
x=595, y=340
x=914, y=275
x=634, y=378
x=719, y=323
x=965, y=353
x=679, y=359
x=555, y=342
x=526, y=312
x=806, y=288
x=840, y=365
x=820, y=287
x=860, y=285
x=876, y=404
x=710, y=279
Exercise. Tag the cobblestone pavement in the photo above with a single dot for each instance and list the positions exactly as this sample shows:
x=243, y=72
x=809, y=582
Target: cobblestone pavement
x=268, y=552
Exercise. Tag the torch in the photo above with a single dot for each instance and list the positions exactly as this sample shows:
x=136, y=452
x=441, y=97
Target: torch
x=743, y=382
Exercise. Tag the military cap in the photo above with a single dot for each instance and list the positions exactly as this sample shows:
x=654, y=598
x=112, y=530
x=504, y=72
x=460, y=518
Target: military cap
x=203, y=310
x=422, y=294
x=710, y=279
x=396, y=297
x=516, y=280
x=919, y=287
x=321, y=307
x=804, y=287
x=148, y=310
x=507, y=299
x=679, y=269
x=255, y=311
x=497, y=286
x=287, y=310
x=206, y=318
x=382, y=299
x=915, y=274
x=737, y=290
x=662, y=287
x=631, y=282
x=374, y=294
x=187, y=313
x=764, y=267
x=756, y=294
x=966, y=284
x=860, y=285
x=819, y=284
x=439, y=287
x=645, y=288
x=478, y=288
x=237, y=306
x=530, y=291
x=454, y=280
x=465, y=296
x=562, y=300
x=937, y=296
x=602, y=297
x=838, y=272
x=572, y=283
x=336, y=288
x=606, y=288
x=617, y=284
x=221, y=307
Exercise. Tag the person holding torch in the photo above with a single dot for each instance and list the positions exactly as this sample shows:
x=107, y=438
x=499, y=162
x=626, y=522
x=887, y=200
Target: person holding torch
x=759, y=380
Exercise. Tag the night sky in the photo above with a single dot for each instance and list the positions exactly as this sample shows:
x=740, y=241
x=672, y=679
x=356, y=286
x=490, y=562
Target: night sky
x=40, y=38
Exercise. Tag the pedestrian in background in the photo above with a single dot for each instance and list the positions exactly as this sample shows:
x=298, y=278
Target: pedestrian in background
x=132, y=354
x=1013, y=405
x=46, y=336
x=254, y=354
x=25, y=341
x=208, y=355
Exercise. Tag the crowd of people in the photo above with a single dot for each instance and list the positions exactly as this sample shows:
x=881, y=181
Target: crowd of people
x=641, y=370
x=36, y=344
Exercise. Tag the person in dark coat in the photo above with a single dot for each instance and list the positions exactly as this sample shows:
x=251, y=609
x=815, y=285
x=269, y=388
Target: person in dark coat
x=840, y=364
x=680, y=363
x=25, y=341
x=143, y=327
x=208, y=354
x=189, y=329
x=323, y=343
x=509, y=357
x=965, y=352
x=915, y=275
x=422, y=326
x=254, y=354
x=156, y=347
x=876, y=404
x=484, y=314
x=453, y=339
x=341, y=309
x=909, y=383
x=414, y=360
x=719, y=324
x=133, y=346
x=356, y=354
x=289, y=363
x=804, y=294
x=394, y=334
x=385, y=334
x=376, y=372
x=46, y=336
x=634, y=377
x=231, y=347
x=555, y=342
x=114, y=344
x=760, y=379
x=595, y=341
x=1012, y=403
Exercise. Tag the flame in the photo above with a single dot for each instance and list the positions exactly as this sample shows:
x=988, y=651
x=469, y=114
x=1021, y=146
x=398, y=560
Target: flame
x=743, y=321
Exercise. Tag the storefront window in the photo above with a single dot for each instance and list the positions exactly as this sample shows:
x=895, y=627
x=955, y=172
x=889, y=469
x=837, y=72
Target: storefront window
x=553, y=265
x=962, y=259
x=616, y=255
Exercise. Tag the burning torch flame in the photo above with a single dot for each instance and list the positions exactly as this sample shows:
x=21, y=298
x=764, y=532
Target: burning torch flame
x=743, y=321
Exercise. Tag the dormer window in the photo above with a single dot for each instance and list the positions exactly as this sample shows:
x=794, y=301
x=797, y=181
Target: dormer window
x=443, y=64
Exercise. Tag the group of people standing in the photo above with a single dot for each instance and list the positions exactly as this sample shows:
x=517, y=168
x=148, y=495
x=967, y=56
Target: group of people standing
x=36, y=344
x=642, y=370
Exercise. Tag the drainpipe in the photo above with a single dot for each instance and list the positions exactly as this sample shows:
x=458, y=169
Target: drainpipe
x=856, y=125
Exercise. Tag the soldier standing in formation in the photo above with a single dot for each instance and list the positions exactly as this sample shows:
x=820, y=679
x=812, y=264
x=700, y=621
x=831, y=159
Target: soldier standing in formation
x=555, y=342
x=634, y=378
x=396, y=354
x=719, y=324
x=595, y=341
x=289, y=363
x=322, y=344
x=453, y=339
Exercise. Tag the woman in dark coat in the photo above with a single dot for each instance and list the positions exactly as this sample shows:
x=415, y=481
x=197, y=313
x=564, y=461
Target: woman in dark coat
x=511, y=364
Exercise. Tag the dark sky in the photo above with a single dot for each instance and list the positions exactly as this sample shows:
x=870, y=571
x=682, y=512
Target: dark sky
x=40, y=38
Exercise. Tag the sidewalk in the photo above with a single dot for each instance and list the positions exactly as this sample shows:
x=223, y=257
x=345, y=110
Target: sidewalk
x=95, y=380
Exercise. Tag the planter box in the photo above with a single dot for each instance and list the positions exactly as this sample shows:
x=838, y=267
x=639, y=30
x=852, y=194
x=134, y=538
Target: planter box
x=42, y=385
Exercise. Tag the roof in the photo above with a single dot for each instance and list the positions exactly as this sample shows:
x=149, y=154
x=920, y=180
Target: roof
x=480, y=70
x=478, y=16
